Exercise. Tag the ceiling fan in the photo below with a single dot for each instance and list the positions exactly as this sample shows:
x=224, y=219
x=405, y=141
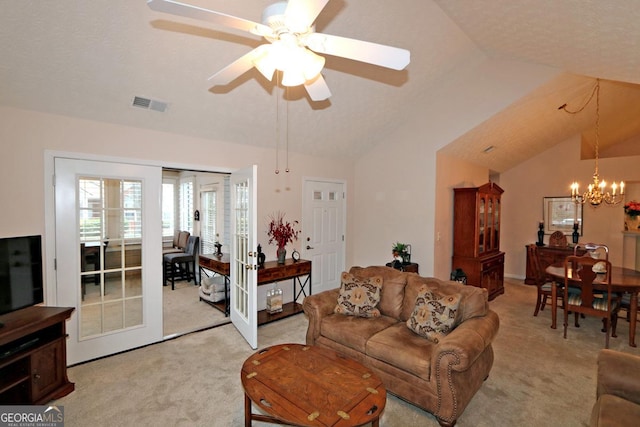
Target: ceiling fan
x=293, y=44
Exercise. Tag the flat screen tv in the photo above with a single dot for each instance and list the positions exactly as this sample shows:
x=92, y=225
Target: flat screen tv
x=21, y=282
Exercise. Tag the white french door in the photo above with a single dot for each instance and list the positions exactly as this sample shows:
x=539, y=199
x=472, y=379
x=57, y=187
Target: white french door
x=108, y=240
x=323, y=212
x=244, y=273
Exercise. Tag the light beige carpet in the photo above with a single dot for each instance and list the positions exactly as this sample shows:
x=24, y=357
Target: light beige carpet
x=182, y=310
x=538, y=378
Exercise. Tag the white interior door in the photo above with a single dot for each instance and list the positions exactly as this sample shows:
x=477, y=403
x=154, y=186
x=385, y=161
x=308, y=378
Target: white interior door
x=323, y=232
x=244, y=273
x=108, y=255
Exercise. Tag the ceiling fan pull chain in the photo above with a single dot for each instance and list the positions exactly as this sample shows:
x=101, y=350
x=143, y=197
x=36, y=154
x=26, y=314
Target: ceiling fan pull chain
x=287, y=147
x=277, y=120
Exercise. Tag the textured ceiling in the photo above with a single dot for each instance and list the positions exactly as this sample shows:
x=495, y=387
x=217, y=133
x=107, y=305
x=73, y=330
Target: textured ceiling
x=90, y=58
x=593, y=38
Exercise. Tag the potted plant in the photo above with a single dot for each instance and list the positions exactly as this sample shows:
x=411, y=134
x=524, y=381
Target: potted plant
x=401, y=252
x=281, y=232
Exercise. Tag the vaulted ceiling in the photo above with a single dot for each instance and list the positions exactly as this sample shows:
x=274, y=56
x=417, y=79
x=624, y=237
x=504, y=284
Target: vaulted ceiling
x=89, y=59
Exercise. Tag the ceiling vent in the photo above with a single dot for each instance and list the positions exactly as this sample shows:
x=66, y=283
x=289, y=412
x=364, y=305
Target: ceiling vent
x=149, y=104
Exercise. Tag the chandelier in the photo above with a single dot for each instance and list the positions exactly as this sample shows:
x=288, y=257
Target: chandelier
x=597, y=192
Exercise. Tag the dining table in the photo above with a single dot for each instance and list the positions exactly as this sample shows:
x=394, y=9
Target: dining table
x=622, y=280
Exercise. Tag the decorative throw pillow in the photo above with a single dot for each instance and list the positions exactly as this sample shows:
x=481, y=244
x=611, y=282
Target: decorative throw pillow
x=359, y=296
x=434, y=315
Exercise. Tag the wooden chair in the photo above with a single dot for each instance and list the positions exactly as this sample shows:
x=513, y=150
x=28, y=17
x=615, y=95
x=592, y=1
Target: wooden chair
x=590, y=301
x=595, y=250
x=540, y=278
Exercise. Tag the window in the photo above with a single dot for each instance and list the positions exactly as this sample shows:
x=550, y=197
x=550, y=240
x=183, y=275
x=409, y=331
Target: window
x=208, y=217
x=168, y=207
x=186, y=205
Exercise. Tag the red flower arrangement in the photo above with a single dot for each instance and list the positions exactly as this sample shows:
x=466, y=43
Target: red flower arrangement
x=280, y=231
x=632, y=208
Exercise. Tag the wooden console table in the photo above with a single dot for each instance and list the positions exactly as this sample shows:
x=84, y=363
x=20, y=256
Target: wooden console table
x=274, y=272
x=219, y=265
x=409, y=267
x=270, y=273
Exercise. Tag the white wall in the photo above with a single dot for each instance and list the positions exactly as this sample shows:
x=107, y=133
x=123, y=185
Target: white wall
x=25, y=136
x=396, y=182
x=549, y=174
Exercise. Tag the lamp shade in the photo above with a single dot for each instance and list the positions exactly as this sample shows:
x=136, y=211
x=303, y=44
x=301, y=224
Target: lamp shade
x=297, y=63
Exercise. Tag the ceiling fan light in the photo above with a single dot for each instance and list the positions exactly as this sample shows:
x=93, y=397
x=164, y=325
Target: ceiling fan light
x=312, y=65
x=265, y=61
x=292, y=77
x=299, y=65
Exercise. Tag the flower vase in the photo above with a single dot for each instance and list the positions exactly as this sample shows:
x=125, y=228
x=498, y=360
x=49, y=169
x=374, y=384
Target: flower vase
x=282, y=254
x=632, y=223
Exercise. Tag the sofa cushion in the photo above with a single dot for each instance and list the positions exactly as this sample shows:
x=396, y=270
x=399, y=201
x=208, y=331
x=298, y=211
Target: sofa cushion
x=474, y=301
x=393, y=283
x=359, y=296
x=352, y=331
x=401, y=348
x=434, y=315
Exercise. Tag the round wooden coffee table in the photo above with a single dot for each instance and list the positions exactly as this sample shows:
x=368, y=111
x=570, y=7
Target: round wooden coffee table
x=310, y=386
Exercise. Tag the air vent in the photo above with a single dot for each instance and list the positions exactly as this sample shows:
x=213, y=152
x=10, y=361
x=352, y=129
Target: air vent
x=149, y=104
x=489, y=149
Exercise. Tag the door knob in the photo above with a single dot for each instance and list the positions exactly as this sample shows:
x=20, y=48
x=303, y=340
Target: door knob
x=309, y=247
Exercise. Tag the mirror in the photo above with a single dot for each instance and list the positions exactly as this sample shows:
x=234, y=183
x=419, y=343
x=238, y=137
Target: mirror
x=560, y=213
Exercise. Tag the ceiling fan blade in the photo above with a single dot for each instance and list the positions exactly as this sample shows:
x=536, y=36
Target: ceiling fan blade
x=372, y=53
x=195, y=12
x=302, y=13
x=235, y=69
x=317, y=89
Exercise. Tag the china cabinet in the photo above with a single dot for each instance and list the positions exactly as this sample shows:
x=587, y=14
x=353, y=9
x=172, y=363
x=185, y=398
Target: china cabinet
x=476, y=236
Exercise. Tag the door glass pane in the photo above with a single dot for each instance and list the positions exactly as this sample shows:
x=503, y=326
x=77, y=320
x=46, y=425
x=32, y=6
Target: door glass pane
x=133, y=254
x=110, y=234
x=241, y=236
x=496, y=225
x=489, y=231
x=481, y=214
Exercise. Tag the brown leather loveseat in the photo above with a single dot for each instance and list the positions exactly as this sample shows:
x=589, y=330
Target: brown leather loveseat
x=441, y=378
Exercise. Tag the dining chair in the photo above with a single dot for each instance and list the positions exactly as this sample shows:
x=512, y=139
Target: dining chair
x=542, y=282
x=625, y=304
x=598, y=301
x=595, y=250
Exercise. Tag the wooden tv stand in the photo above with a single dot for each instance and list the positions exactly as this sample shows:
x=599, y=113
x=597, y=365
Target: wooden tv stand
x=33, y=356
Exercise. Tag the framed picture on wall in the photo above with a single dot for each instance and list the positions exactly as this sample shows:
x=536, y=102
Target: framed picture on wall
x=560, y=213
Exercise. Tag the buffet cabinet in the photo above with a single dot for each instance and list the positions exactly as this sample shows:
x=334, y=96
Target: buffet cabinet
x=476, y=237
x=548, y=255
